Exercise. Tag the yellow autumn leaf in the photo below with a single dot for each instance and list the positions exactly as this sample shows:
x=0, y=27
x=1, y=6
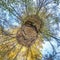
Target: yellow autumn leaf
x=13, y=31
x=12, y=54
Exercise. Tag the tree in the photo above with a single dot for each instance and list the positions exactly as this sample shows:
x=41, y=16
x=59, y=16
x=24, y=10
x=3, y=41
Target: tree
x=35, y=26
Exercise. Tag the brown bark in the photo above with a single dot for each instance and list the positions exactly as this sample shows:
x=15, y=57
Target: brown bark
x=28, y=33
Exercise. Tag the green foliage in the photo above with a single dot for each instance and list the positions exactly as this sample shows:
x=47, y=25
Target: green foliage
x=11, y=1
x=5, y=6
x=28, y=5
x=56, y=1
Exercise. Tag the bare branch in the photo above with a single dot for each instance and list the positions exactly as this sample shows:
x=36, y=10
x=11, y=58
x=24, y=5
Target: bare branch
x=16, y=12
x=42, y=3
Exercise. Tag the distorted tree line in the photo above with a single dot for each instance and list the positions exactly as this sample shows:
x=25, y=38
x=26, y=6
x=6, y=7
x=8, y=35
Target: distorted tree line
x=36, y=24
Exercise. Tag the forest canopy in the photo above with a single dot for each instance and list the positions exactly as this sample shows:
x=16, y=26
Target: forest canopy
x=30, y=29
